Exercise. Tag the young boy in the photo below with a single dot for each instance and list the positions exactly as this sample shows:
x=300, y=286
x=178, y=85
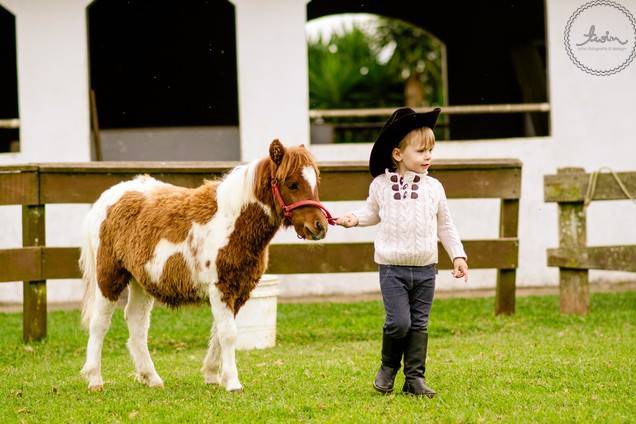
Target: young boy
x=412, y=211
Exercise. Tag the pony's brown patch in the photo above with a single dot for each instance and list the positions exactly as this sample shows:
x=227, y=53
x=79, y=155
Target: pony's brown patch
x=133, y=227
x=242, y=262
x=175, y=287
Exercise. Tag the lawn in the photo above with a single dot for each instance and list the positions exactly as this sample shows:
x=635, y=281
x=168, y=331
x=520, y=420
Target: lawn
x=535, y=366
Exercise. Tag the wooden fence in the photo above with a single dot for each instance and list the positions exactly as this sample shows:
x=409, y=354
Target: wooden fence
x=35, y=186
x=570, y=188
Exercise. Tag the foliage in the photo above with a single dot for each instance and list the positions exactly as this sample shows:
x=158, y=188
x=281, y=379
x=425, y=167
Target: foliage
x=346, y=72
x=416, y=54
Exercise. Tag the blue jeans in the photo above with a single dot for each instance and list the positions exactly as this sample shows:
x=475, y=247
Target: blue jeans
x=407, y=292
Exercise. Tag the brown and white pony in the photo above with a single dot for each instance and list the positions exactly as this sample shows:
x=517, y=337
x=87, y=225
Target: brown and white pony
x=184, y=246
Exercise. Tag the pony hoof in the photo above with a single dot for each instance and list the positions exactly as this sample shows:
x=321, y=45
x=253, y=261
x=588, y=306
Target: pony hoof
x=95, y=382
x=149, y=380
x=234, y=387
x=156, y=384
x=96, y=387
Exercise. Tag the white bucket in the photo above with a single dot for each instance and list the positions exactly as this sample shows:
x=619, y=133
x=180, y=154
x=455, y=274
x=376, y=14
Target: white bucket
x=256, y=321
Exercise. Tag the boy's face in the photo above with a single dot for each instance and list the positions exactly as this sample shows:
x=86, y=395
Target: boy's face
x=413, y=158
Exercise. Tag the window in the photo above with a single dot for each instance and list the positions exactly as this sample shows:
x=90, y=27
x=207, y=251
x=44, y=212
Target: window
x=9, y=123
x=489, y=63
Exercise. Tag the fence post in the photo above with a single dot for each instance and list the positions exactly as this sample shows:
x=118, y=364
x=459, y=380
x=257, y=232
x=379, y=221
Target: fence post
x=34, y=292
x=573, y=283
x=508, y=225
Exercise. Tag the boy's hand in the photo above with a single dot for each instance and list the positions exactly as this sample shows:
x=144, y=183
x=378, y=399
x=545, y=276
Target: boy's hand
x=349, y=220
x=461, y=269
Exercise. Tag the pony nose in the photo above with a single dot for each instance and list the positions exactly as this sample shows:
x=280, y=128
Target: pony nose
x=316, y=233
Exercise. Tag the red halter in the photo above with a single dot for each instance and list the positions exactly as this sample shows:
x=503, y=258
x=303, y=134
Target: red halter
x=287, y=209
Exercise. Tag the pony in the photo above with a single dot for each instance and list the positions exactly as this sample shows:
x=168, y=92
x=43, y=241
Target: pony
x=191, y=245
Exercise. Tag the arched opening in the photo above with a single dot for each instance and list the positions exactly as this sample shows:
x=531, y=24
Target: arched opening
x=366, y=61
x=9, y=123
x=164, y=79
x=501, y=62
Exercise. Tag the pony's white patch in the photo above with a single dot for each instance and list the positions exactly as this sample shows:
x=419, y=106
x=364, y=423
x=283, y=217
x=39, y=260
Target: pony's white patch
x=137, y=315
x=165, y=249
x=226, y=335
x=309, y=174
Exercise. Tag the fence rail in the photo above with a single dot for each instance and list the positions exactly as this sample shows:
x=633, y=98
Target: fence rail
x=353, y=113
x=9, y=123
x=34, y=186
x=569, y=188
x=449, y=110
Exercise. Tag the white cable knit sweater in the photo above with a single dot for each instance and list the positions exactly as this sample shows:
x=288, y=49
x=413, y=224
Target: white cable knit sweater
x=412, y=211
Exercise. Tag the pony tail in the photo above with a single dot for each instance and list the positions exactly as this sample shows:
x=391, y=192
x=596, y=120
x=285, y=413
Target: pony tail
x=87, y=264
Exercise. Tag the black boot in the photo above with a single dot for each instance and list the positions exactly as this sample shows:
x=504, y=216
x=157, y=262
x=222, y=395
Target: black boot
x=391, y=356
x=415, y=364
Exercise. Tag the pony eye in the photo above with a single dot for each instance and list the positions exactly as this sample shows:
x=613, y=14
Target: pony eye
x=293, y=186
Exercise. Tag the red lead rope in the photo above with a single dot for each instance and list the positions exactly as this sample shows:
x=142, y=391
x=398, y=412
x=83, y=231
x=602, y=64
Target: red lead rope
x=287, y=209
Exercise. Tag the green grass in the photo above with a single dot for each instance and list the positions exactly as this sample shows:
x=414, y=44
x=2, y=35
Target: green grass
x=535, y=366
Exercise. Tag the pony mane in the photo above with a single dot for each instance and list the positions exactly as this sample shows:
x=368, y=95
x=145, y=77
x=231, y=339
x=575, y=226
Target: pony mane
x=294, y=160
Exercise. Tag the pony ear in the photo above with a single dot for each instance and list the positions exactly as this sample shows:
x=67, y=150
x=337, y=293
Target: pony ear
x=276, y=151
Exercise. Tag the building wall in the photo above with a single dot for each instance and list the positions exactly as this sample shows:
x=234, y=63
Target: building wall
x=54, y=116
x=591, y=120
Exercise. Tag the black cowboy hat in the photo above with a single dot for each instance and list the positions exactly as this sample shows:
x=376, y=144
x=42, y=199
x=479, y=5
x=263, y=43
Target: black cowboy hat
x=401, y=122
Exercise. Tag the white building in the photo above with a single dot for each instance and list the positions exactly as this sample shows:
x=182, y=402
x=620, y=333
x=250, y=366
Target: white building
x=591, y=125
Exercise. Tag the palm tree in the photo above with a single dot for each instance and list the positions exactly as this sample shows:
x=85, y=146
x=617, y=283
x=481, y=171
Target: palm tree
x=418, y=55
x=344, y=72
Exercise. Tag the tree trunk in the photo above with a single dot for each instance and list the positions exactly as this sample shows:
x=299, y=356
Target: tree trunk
x=414, y=91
